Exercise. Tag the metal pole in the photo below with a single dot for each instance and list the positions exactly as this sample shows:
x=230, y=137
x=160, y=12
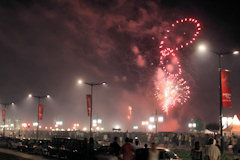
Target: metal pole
x=220, y=101
x=38, y=116
x=156, y=121
x=4, y=122
x=91, y=111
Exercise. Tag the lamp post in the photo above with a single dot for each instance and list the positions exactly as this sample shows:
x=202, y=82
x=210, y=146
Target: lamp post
x=156, y=119
x=4, y=120
x=192, y=125
x=91, y=84
x=39, y=102
x=220, y=55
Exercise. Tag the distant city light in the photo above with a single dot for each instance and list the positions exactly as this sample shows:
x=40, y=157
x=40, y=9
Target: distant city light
x=59, y=123
x=35, y=124
x=117, y=127
x=144, y=123
x=135, y=127
x=24, y=125
x=76, y=125
x=84, y=129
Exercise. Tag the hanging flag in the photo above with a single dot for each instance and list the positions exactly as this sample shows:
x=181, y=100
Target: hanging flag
x=40, y=111
x=89, y=97
x=3, y=115
x=226, y=88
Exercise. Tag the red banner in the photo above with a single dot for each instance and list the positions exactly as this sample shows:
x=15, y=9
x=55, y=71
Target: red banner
x=3, y=115
x=226, y=88
x=40, y=111
x=89, y=97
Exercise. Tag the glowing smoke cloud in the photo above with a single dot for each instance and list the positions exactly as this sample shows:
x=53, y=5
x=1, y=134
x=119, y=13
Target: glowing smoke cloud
x=171, y=88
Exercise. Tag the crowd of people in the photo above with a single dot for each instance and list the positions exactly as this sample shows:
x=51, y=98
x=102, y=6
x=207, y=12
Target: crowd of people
x=204, y=147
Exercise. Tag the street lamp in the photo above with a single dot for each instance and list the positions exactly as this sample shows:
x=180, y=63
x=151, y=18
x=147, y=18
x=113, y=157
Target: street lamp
x=219, y=54
x=5, y=105
x=192, y=125
x=39, y=102
x=91, y=84
x=156, y=119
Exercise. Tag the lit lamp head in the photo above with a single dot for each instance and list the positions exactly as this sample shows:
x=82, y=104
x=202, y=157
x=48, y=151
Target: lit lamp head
x=80, y=82
x=235, y=52
x=202, y=48
x=190, y=125
x=30, y=96
x=160, y=119
x=104, y=83
x=151, y=119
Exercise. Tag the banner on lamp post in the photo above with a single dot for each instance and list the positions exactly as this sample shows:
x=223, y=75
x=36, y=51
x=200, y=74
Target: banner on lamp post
x=226, y=88
x=40, y=111
x=89, y=97
x=3, y=115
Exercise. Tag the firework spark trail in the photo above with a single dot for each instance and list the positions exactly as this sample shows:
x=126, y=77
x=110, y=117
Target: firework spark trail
x=171, y=88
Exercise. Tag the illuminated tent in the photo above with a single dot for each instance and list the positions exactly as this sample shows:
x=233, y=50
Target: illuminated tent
x=234, y=127
x=207, y=131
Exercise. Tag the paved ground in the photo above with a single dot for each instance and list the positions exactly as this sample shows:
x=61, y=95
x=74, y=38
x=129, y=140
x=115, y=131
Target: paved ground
x=23, y=155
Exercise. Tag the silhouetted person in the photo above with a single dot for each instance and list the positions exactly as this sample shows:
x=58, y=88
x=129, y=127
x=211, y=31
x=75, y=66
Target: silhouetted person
x=128, y=150
x=153, y=153
x=115, y=147
x=137, y=143
x=213, y=152
x=145, y=145
x=196, y=152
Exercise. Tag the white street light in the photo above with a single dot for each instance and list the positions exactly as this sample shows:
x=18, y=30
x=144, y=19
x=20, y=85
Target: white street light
x=80, y=82
x=160, y=119
x=235, y=52
x=117, y=127
x=202, y=48
x=135, y=127
x=194, y=125
x=190, y=125
x=35, y=124
x=151, y=119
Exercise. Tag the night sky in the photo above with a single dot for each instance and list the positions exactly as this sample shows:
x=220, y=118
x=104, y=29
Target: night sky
x=46, y=46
